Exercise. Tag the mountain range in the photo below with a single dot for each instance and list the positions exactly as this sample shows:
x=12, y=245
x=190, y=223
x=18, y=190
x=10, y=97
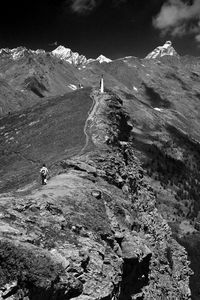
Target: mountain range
x=120, y=215
x=28, y=75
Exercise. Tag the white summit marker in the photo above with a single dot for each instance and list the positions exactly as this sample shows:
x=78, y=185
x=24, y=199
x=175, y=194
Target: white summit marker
x=102, y=85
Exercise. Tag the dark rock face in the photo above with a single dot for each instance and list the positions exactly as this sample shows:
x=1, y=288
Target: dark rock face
x=123, y=198
x=34, y=274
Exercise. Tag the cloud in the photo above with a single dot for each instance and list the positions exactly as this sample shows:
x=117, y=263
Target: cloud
x=83, y=7
x=179, y=18
x=197, y=37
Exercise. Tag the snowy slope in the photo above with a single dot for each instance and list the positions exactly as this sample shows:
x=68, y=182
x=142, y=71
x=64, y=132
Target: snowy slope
x=75, y=58
x=166, y=49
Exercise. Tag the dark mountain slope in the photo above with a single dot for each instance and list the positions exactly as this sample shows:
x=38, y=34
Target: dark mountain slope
x=11, y=99
x=166, y=140
x=53, y=74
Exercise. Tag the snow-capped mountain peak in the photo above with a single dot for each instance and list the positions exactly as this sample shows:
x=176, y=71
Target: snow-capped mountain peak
x=166, y=49
x=75, y=58
x=103, y=58
x=69, y=56
x=14, y=53
x=60, y=52
x=19, y=52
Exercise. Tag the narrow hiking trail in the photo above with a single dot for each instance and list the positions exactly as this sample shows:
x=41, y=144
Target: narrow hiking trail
x=32, y=187
x=56, y=182
x=91, y=114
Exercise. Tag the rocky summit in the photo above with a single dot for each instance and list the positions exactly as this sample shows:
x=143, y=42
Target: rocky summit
x=119, y=217
x=166, y=49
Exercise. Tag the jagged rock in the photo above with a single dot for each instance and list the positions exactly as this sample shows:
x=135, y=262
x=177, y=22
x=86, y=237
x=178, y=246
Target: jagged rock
x=8, y=290
x=96, y=194
x=134, y=248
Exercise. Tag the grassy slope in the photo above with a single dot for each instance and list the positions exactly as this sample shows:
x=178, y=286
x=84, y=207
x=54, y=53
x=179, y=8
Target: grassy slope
x=45, y=133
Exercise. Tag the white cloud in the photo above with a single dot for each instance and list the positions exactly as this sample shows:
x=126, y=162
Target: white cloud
x=179, y=18
x=86, y=6
x=197, y=37
x=83, y=6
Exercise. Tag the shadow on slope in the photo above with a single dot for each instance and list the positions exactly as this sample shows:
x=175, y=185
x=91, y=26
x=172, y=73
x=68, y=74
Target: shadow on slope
x=155, y=98
x=167, y=144
x=174, y=172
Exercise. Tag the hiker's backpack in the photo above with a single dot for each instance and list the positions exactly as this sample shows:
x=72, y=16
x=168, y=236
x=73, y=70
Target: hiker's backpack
x=43, y=171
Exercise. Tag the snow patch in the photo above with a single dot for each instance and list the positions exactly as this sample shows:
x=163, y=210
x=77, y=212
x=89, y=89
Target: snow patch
x=17, y=53
x=33, y=123
x=69, y=56
x=135, y=89
x=160, y=51
x=72, y=86
x=101, y=59
x=39, y=51
x=158, y=109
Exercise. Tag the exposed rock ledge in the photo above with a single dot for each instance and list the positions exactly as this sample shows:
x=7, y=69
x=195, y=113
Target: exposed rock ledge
x=94, y=231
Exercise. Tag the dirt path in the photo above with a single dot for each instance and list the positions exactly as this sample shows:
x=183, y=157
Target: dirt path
x=91, y=114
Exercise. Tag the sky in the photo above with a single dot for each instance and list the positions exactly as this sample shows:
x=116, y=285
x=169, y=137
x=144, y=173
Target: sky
x=114, y=28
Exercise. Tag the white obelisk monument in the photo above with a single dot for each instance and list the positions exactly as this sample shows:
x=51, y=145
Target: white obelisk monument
x=101, y=85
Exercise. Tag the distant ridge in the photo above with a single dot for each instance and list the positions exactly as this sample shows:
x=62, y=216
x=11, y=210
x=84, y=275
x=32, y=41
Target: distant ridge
x=19, y=52
x=60, y=52
x=75, y=58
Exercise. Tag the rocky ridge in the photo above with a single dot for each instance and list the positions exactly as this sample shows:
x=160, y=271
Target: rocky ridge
x=60, y=52
x=94, y=231
x=17, y=53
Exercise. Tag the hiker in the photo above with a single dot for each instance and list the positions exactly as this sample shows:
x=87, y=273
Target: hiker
x=43, y=172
